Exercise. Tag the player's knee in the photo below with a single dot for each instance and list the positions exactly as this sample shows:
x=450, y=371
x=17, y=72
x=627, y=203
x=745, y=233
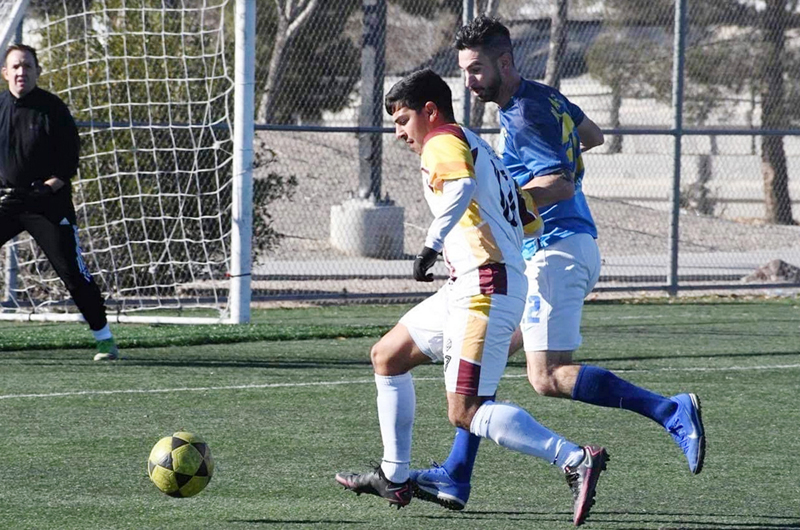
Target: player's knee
x=387, y=359
x=379, y=356
x=459, y=418
x=543, y=382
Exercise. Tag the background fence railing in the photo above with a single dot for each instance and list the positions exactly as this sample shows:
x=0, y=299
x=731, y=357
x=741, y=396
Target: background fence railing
x=690, y=190
x=695, y=188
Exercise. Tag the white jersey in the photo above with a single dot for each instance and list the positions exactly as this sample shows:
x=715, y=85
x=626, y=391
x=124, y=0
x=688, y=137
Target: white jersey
x=483, y=250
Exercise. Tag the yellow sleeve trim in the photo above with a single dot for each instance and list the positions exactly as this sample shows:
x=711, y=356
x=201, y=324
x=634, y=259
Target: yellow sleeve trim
x=447, y=157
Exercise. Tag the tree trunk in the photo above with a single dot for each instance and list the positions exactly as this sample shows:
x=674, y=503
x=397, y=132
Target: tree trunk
x=777, y=202
x=292, y=14
x=267, y=105
x=615, y=145
x=558, y=44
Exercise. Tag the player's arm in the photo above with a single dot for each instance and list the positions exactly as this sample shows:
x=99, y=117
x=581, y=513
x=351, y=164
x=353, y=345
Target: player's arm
x=549, y=189
x=456, y=196
x=67, y=147
x=590, y=134
x=451, y=174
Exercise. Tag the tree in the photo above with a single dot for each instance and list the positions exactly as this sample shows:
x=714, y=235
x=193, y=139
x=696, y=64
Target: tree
x=734, y=49
x=312, y=64
x=774, y=115
x=558, y=44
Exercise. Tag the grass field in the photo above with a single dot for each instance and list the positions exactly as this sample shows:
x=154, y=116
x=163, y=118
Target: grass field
x=288, y=401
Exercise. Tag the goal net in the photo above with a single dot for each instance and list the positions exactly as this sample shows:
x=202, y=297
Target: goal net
x=150, y=84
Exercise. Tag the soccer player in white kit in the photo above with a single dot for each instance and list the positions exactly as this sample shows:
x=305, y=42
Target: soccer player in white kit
x=480, y=219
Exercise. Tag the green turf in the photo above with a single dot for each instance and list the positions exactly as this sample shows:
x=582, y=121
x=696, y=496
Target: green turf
x=288, y=401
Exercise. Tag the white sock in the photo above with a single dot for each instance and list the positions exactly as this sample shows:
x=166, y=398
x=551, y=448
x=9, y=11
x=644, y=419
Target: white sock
x=103, y=333
x=396, y=406
x=512, y=427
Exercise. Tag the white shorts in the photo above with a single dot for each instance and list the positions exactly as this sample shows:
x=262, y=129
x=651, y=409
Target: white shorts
x=469, y=334
x=560, y=276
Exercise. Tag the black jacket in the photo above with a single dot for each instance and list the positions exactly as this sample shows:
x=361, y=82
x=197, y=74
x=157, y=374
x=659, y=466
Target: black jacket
x=38, y=140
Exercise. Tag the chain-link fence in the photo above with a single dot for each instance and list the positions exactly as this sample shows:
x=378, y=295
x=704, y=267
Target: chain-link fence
x=695, y=187
x=725, y=218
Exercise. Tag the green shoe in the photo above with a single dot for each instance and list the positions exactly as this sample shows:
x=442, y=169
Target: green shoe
x=106, y=350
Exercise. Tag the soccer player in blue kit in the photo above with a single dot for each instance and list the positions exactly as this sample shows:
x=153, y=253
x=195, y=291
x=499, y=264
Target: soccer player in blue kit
x=543, y=133
x=468, y=324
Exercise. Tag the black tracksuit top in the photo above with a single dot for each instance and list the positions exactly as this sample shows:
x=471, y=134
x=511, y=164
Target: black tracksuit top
x=38, y=139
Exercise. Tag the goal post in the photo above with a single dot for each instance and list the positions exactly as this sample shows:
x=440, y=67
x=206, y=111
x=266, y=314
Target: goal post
x=244, y=113
x=11, y=14
x=162, y=92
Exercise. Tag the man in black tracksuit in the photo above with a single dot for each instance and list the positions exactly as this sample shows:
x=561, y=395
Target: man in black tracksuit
x=39, y=149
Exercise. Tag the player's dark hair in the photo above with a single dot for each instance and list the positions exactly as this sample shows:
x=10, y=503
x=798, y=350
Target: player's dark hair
x=22, y=48
x=487, y=33
x=416, y=89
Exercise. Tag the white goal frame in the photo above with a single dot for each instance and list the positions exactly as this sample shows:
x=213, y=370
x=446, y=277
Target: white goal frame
x=239, y=293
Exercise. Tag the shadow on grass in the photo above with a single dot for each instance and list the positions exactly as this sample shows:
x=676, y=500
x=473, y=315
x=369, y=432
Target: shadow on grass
x=676, y=521
x=519, y=360
x=290, y=522
x=663, y=520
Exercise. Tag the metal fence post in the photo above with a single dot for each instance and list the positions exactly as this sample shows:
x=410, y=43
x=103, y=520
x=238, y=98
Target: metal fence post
x=677, y=107
x=370, y=144
x=11, y=271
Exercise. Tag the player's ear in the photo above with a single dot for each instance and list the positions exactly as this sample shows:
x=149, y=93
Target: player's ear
x=431, y=111
x=506, y=61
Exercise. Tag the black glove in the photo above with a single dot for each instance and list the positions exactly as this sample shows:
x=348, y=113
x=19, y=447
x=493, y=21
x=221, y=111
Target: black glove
x=423, y=263
x=12, y=201
x=40, y=190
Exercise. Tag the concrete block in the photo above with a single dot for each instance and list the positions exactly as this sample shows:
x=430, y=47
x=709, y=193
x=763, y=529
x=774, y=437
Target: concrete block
x=362, y=227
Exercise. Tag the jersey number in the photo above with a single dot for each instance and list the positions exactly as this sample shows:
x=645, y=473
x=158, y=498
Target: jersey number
x=508, y=197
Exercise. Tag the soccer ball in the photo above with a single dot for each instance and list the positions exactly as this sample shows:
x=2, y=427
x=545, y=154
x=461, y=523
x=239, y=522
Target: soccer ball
x=180, y=465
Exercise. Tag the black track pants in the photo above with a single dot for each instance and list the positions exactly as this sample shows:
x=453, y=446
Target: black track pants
x=57, y=235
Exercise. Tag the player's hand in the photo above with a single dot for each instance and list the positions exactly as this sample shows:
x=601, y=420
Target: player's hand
x=40, y=190
x=423, y=263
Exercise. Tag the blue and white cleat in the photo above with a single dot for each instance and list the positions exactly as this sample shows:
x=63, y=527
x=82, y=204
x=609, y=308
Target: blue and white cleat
x=435, y=485
x=686, y=428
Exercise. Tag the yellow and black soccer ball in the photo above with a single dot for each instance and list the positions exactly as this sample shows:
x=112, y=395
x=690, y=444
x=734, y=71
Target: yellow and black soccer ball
x=180, y=465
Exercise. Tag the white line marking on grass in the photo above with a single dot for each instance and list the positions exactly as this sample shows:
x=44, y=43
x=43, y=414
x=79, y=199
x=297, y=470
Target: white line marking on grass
x=361, y=382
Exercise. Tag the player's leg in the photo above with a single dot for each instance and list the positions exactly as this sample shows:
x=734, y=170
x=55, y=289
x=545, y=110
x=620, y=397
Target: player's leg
x=480, y=333
x=58, y=238
x=415, y=340
x=9, y=225
x=559, y=278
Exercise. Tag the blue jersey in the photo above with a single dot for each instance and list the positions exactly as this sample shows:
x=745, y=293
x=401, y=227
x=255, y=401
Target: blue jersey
x=540, y=137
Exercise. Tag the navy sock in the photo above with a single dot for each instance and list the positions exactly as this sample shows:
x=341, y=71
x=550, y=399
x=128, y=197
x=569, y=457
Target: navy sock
x=598, y=386
x=462, y=456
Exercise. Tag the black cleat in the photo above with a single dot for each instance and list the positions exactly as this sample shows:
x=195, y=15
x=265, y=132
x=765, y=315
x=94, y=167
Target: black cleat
x=582, y=480
x=375, y=483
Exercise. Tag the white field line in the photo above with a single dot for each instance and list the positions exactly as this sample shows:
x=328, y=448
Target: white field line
x=359, y=382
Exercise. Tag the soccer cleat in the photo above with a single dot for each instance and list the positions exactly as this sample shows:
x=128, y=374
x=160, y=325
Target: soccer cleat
x=686, y=428
x=106, y=350
x=435, y=485
x=375, y=483
x=582, y=480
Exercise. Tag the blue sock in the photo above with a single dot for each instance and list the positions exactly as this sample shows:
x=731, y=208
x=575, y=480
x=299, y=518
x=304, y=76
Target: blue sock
x=462, y=456
x=598, y=386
